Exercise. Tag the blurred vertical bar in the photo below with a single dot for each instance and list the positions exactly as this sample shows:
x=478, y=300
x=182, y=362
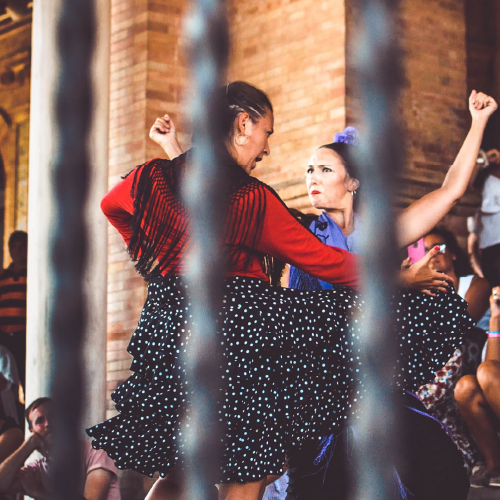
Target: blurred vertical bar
x=75, y=37
x=208, y=39
x=378, y=74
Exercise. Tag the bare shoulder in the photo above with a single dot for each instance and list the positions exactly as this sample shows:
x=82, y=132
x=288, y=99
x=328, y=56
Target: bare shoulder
x=480, y=284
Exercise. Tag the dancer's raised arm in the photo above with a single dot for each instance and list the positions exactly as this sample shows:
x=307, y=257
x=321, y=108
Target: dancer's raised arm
x=422, y=215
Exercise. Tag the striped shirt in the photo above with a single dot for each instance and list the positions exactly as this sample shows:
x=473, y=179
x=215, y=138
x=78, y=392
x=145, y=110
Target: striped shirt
x=12, y=300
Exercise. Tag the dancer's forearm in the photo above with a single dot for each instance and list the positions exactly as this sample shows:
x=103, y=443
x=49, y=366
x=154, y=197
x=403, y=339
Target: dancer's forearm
x=172, y=149
x=458, y=176
x=421, y=216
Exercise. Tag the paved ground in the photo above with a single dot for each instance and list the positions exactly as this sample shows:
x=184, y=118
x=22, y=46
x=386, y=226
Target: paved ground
x=484, y=494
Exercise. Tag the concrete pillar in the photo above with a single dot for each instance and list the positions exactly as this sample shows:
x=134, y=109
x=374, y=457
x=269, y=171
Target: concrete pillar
x=42, y=143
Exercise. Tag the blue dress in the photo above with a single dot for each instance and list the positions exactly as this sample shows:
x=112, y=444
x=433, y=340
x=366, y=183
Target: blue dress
x=328, y=231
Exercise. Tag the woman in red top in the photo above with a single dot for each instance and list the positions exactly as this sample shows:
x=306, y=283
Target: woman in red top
x=289, y=356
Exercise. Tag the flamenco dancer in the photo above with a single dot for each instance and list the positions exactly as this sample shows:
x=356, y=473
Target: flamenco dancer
x=286, y=352
x=430, y=466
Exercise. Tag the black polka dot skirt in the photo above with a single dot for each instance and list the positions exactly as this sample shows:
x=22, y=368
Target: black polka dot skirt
x=289, y=363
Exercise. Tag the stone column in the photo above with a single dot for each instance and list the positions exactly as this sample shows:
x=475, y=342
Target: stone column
x=42, y=143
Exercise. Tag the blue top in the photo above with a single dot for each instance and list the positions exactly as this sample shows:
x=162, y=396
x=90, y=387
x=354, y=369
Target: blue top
x=329, y=232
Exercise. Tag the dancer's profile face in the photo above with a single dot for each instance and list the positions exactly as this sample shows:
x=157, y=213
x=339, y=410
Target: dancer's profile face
x=328, y=183
x=252, y=143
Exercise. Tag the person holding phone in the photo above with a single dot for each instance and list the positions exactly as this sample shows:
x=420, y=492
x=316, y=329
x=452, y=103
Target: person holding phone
x=438, y=394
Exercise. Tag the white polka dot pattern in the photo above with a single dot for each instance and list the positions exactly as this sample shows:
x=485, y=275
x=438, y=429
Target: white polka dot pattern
x=290, y=361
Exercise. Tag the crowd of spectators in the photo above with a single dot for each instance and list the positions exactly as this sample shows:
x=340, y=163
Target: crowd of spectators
x=99, y=476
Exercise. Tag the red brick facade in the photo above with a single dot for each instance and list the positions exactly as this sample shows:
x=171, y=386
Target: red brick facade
x=301, y=64
x=434, y=101
x=148, y=75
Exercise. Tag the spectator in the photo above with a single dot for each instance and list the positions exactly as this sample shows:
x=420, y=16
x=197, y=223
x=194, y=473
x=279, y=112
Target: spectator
x=438, y=395
x=13, y=302
x=99, y=479
x=478, y=398
x=452, y=262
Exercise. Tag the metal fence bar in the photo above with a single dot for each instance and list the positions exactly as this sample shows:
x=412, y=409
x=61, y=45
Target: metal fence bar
x=75, y=38
x=378, y=73
x=207, y=31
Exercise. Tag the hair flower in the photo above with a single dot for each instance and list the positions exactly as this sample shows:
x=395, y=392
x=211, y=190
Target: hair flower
x=350, y=135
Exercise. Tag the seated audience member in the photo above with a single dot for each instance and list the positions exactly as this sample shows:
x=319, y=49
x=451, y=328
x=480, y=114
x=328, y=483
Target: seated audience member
x=478, y=398
x=438, y=396
x=453, y=262
x=13, y=301
x=9, y=384
x=99, y=478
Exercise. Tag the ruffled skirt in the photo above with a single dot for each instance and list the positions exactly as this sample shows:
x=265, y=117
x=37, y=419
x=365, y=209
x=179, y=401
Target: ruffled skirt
x=289, y=363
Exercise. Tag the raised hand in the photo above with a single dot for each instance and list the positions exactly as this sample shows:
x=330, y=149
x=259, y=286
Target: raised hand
x=164, y=133
x=481, y=106
x=420, y=276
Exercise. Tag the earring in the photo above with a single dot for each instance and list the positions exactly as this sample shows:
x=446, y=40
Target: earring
x=353, y=193
x=238, y=142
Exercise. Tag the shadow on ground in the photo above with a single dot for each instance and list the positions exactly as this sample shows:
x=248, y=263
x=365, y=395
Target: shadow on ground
x=484, y=494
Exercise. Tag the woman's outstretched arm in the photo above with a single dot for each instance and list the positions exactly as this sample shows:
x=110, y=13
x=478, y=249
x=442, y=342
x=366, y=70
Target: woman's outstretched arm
x=422, y=215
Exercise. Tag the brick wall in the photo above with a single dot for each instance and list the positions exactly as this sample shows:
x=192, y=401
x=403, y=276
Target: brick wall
x=147, y=78
x=300, y=63
x=434, y=100
x=433, y=104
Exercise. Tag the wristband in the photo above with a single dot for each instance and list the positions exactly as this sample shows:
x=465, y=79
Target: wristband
x=493, y=334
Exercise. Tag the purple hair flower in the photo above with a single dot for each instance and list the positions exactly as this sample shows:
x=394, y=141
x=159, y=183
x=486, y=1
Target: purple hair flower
x=350, y=135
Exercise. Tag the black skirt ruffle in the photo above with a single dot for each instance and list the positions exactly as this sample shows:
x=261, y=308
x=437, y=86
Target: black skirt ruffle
x=290, y=359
